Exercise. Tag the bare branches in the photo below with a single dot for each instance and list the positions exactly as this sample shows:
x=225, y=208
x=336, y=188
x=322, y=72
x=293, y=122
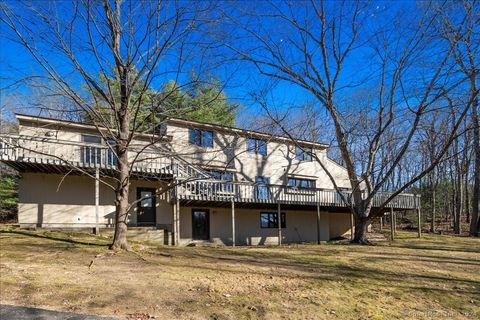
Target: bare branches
x=106, y=58
x=413, y=75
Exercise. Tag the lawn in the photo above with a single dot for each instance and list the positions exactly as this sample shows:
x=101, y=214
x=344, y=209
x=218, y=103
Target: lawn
x=429, y=278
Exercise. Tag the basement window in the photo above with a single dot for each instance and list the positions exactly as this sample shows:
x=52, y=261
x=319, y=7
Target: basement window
x=269, y=220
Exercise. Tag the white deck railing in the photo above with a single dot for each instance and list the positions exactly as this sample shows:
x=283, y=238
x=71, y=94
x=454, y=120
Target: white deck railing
x=268, y=193
x=38, y=150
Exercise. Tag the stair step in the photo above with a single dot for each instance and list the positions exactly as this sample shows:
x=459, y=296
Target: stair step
x=159, y=236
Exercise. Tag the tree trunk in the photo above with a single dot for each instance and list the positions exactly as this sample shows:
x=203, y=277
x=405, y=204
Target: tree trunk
x=458, y=206
x=121, y=203
x=121, y=215
x=434, y=208
x=467, y=199
x=475, y=219
x=360, y=236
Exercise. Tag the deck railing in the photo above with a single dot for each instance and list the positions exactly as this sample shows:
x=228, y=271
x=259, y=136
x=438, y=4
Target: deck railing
x=269, y=193
x=38, y=150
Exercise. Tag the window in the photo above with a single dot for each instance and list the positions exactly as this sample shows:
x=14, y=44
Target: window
x=91, y=139
x=262, y=189
x=202, y=138
x=257, y=146
x=111, y=156
x=301, y=183
x=223, y=176
x=91, y=154
x=146, y=197
x=303, y=154
x=270, y=220
x=98, y=154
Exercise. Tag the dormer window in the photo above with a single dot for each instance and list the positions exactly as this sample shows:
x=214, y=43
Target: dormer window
x=202, y=138
x=257, y=146
x=303, y=153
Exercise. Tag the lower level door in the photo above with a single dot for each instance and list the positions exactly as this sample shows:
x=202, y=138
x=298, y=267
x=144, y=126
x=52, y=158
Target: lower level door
x=146, y=206
x=200, y=224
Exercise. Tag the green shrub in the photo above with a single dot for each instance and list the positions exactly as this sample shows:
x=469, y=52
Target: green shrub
x=8, y=197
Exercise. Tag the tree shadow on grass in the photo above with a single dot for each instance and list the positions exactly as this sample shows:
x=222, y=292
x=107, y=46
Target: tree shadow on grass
x=335, y=272
x=424, y=258
x=51, y=237
x=435, y=248
x=330, y=270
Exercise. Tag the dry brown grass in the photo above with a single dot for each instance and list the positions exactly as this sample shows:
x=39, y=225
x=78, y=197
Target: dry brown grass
x=434, y=277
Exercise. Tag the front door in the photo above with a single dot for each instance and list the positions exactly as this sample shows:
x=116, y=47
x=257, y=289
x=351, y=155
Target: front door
x=146, y=206
x=200, y=224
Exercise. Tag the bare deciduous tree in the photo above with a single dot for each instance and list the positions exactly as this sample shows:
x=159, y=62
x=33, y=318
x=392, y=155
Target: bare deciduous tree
x=317, y=47
x=111, y=54
x=466, y=54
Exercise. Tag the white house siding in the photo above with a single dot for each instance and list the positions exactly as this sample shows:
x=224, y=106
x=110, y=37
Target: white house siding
x=47, y=201
x=229, y=151
x=301, y=226
x=279, y=163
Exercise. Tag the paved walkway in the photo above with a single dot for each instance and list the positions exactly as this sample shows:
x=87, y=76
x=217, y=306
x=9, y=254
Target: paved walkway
x=8, y=312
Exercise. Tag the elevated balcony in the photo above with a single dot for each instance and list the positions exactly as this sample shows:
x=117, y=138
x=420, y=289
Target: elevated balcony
x=39, y=154
x=249, y=194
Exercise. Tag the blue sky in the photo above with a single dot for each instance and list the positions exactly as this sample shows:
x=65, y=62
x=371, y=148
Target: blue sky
x=241, y=79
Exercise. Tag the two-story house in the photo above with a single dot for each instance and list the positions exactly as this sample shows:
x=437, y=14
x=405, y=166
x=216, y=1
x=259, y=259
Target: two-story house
x=233, y=186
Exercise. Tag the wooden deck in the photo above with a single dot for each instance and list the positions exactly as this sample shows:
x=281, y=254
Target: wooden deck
x=249, y=194
x=38, y=154
x=25, y=153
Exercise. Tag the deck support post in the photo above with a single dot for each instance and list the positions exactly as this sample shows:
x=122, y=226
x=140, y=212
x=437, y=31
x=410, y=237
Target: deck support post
x=381, y=223
x=318, y=223
x=351, y=227
x=97, y=200
x=174, y=224
x=233, y=223
x=394, y=222
x=392, y=215
x=176, y=218
x=419, y=217
x=177, y=237
x=279, y=222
